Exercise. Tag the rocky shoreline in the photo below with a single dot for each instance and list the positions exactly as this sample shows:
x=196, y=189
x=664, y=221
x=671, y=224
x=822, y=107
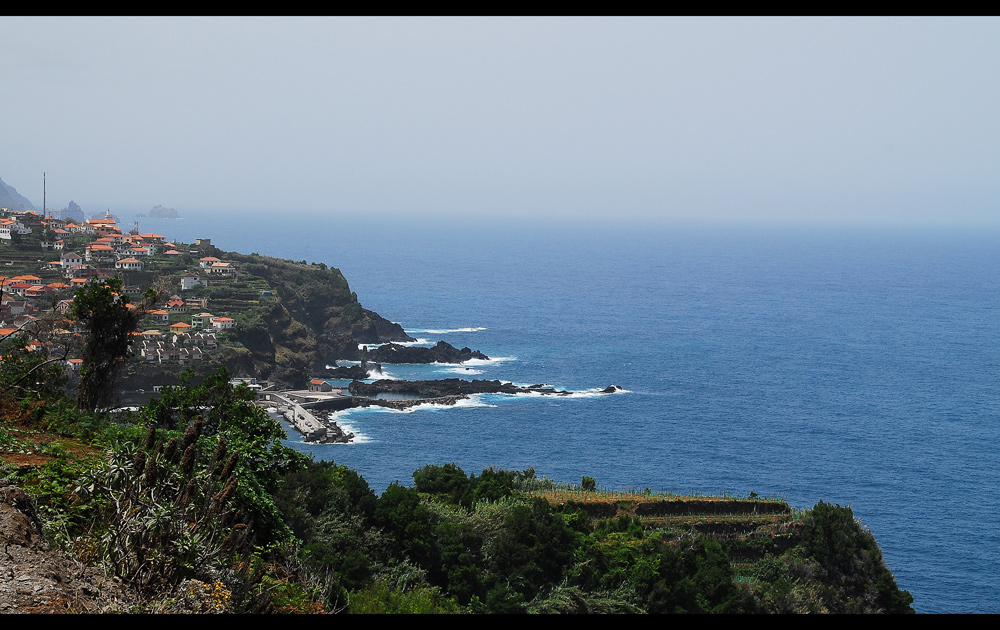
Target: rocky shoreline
x=443, y=391
x=353, y=372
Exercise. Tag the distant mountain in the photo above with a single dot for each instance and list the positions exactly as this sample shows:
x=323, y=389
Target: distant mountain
x=10, y=199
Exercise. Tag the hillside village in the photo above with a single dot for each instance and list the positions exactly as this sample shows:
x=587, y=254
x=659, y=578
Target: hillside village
x=44, y=260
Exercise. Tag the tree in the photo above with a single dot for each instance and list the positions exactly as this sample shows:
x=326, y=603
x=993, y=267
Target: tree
x=31, y=358
x=110, y=320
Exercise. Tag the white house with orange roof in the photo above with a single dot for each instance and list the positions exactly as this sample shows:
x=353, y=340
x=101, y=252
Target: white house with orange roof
x=223, y=323
x=129, y=263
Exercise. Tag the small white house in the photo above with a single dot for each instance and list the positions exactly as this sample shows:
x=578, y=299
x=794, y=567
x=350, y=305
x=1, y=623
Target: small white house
x=222, y=323
x=190, y=281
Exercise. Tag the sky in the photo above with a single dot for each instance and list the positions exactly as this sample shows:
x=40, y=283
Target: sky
x=797, y=120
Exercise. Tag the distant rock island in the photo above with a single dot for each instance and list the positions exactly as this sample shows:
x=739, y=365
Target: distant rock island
x=159, y=212
x=73, y=211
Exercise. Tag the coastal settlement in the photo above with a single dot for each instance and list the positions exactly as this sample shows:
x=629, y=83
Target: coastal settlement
x=209, y=304
x=277, y=326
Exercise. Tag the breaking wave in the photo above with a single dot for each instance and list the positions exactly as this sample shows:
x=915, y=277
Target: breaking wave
x=445, y=331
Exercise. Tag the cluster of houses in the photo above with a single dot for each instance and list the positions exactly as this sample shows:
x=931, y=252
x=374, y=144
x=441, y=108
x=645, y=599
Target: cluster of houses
x=109, y=253
x=177, y=348
x=19, y=294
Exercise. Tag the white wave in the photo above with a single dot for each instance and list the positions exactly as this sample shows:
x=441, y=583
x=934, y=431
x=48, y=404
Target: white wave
x=417, y=342
x=474, y=400
x=487, y=361
x=460, y=370
x=359, y=438
x=584, y=393
x=420, y=341
x=372, y=374
x=445, y=331
x=597, y=391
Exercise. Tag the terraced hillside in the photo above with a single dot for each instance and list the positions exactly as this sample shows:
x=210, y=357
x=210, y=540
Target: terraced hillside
x=782, y=559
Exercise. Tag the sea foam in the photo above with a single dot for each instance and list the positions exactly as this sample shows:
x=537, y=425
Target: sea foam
x=445, y=331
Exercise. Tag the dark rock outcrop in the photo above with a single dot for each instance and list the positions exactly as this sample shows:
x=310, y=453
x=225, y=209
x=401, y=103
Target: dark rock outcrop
x=384, y=329
x=448, y=387
x=443, y=352
x=354, y=372
x=446, y=391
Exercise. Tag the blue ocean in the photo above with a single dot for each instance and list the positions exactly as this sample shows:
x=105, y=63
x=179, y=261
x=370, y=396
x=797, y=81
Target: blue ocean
x=858, y=366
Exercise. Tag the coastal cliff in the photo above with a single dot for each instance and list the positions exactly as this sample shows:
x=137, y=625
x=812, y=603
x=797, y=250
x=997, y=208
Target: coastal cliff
x=313, y=320
x=290, y=320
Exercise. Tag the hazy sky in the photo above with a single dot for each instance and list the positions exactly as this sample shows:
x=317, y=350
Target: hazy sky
x=814, y=119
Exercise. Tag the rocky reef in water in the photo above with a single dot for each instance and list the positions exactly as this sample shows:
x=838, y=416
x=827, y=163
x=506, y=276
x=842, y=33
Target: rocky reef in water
x=442, y=352
x=447, y=391
x=353, y=372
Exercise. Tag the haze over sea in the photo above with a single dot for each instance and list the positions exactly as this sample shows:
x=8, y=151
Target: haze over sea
x=857, y=366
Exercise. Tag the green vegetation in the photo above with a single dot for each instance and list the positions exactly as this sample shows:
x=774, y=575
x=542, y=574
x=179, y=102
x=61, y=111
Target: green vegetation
x=193, y=501
x=195, y=491
x=104, y=310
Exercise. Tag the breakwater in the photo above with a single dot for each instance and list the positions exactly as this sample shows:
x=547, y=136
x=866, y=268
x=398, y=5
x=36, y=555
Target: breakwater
x=297, y=408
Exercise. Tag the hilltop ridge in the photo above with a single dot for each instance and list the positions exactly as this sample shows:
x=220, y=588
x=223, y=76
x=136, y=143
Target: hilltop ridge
x=10, y=198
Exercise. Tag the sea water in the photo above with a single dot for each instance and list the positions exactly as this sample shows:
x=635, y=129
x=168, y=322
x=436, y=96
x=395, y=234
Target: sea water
x=858, y=366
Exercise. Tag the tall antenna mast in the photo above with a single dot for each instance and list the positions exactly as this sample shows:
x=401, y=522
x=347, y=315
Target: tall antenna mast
x=44, y=214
